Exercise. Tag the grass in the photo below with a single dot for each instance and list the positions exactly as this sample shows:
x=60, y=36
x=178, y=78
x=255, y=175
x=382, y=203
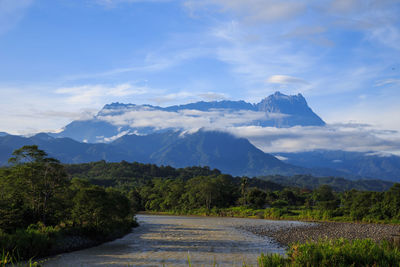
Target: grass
x=39, y=241
x=7, y=260
x=340, y=252
x=285, y=213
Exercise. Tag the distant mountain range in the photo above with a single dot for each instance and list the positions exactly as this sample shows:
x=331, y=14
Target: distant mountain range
x=223, y=151
x=362, y=164
x=277, y=110
x=116, y=126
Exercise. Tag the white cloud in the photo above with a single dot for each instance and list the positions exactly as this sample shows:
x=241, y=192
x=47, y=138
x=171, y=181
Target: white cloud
x=183, y=119
x=252, y=60
x=348, y=137
x=53, y=113
x=388, y=82
x=333, y=137
x=30, y=109
x=115, y=137
x=156, y=60
x=186, y=96
x=173, y=97
x=93, y=94
x=284, y=79
x=212, y=96
x=281, y=157
x=258, y=50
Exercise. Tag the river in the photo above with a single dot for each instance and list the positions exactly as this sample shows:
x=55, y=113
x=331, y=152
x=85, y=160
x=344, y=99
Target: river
x=171, y=240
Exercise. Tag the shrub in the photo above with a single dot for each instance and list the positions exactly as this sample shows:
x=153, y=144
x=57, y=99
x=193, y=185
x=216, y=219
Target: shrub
x=339, y=252
x=26, y=243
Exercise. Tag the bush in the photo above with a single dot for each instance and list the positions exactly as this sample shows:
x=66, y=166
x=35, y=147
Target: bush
x=272, y=260
x=273, y=213
x=339, y=252
x=34, y=241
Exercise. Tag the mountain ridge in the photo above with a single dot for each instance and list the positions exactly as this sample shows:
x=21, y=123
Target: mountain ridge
x=223, y=151
x=220, y=150
x=277, y=110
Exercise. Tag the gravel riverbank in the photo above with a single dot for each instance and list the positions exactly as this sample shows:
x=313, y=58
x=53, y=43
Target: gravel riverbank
x=321, y=230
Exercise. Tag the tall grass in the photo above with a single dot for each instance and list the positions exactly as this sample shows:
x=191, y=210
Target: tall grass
x=341, y=253
x=6, y=259
x=275, y=213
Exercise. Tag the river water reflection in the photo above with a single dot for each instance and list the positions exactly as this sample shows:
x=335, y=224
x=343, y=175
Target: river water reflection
x=170, y=240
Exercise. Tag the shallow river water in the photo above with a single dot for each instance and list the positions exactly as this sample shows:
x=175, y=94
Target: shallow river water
x=171, y=240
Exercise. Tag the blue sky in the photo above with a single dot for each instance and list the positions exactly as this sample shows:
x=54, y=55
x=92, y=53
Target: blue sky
x=62, y=60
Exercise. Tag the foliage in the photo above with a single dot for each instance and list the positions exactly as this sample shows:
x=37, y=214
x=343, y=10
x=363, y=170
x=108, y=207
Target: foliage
x=39, y=202
x=39, y=205
x=339, y=252
x=337, y=183
x=36, y=240
x=7, y=260
x=31, y=190
x=132, y=174
x=230, y=196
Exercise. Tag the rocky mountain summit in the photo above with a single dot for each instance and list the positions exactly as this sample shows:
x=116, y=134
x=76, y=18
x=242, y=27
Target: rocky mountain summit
x=118, y=119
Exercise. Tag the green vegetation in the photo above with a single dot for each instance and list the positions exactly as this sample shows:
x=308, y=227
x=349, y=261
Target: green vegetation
x=131, y=174
x=221, y=195
x=134, y=174
x=202, y=191
x=337, y=183
x=40, y=206
x=7, y=260
x=336, y=253
x=43, y=202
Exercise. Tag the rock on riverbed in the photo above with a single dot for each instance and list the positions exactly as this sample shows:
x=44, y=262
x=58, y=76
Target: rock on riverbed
x=321, y=230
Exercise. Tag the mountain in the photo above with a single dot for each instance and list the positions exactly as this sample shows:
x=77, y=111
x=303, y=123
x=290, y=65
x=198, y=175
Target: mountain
x=118, y=119
x=223, y=151
x=380, y=166
x=294, y=109
x=236, y=156
x=66, y=150
x=153, y=134
x=229, y=154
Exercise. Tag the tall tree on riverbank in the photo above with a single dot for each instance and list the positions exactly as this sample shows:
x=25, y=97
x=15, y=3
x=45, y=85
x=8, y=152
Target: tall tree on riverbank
x=34, y=184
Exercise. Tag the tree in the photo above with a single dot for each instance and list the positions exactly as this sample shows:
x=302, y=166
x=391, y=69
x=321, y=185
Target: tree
x=91, y=207
x=288, y=196
x=256, y=198
x=243, y=190
x=325, y=198
x=13, y=211
x=41, y=180
x=391, y=202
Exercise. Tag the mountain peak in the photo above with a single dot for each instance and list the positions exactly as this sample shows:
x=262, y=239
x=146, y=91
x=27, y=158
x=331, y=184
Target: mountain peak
x=299, y=98
x=276, y=110
x=294, y=107
x=117, y=105
x=42, y=136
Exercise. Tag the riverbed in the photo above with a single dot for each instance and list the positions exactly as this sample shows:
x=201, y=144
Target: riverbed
x=174, y=240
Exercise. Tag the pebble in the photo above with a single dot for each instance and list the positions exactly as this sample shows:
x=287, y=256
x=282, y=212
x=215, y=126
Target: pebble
x=322, y=230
